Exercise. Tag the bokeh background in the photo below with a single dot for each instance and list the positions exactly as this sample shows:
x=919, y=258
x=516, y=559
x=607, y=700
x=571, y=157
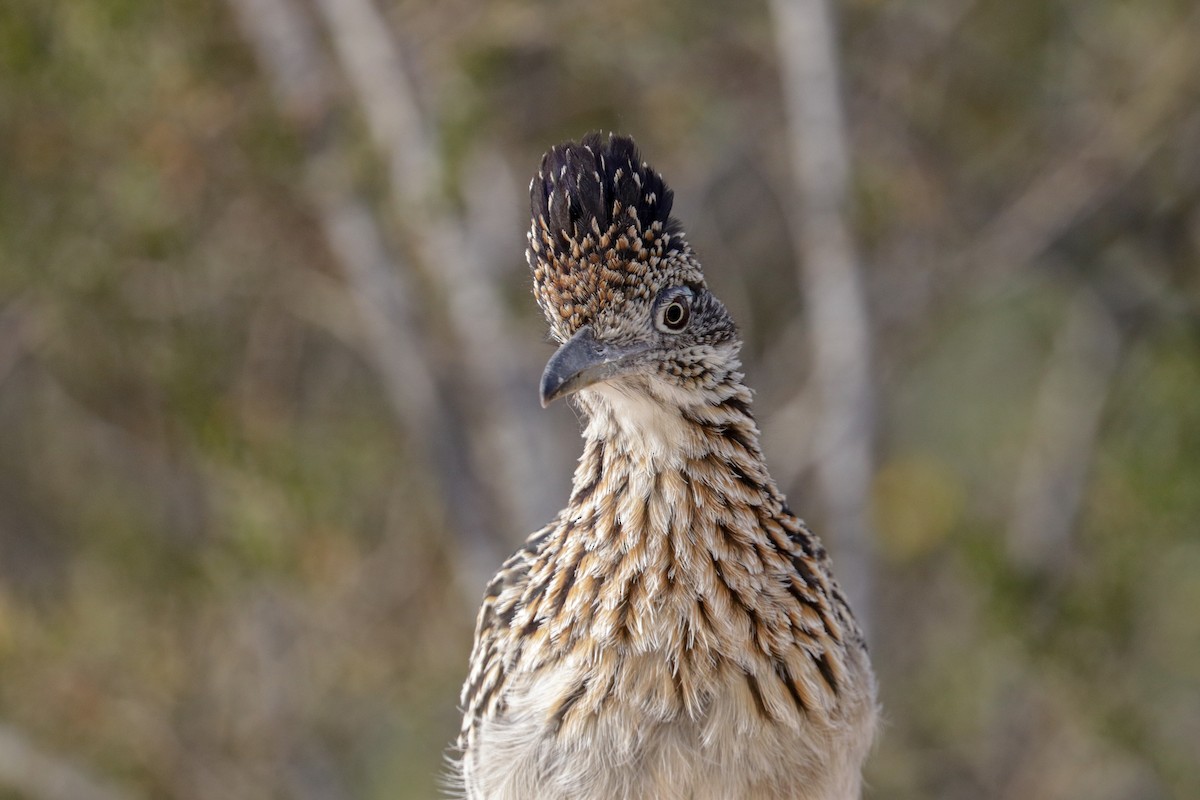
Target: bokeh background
x=268, y=361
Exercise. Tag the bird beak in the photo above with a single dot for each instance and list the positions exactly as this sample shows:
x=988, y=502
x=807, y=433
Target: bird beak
x=583, y=361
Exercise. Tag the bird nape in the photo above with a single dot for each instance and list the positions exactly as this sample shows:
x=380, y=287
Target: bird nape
x=675, y=632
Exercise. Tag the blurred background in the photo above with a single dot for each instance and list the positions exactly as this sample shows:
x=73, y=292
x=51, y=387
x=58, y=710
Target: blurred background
x=268, y=366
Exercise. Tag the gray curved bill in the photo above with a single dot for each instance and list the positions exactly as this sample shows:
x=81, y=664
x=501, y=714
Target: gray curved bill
x=580, y=362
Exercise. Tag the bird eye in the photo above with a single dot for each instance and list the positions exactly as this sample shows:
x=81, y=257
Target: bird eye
x=674, y=316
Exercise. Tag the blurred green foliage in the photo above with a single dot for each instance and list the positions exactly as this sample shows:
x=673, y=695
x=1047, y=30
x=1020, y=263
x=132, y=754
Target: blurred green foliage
x=225, y=570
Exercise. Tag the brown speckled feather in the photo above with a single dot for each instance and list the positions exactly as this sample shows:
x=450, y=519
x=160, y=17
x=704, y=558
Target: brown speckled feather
x=676, y=632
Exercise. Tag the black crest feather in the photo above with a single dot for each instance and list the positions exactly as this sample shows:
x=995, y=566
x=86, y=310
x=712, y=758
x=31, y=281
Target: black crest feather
x=589, y=185
x=602, y=232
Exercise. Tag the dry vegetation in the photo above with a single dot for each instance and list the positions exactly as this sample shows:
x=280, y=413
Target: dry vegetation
x=268, y=363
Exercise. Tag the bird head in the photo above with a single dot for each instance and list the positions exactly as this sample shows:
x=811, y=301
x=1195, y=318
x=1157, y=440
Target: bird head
x=620, y=287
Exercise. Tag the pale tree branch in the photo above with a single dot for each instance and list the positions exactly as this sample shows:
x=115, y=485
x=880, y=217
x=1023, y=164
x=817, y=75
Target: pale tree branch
x=829, y=274
x=288, y=50
x=17, y=326
x=380, y=291
x=32, y=772
x=793, y=423
x=1062, y=436
x=373, y=63
x=301, y=75
x=1086, y=174
x=446, y=245
x=1079, y=175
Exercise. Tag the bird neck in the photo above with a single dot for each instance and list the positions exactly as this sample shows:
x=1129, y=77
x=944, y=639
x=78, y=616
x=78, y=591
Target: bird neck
x=668, y=500
x=638, y=439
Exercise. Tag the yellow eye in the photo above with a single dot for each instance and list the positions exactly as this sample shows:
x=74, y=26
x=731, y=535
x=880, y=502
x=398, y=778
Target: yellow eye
x=675, y=316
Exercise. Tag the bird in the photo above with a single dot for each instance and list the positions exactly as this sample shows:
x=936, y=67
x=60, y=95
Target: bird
x=675, y=633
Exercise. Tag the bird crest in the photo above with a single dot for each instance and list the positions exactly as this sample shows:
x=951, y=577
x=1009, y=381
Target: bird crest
x=602, y=233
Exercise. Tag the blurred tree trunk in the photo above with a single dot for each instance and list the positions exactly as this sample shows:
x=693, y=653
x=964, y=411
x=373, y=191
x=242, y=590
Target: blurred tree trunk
x=839, y=328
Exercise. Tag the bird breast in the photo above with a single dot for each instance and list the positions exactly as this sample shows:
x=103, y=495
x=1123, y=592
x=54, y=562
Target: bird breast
x=638, y=749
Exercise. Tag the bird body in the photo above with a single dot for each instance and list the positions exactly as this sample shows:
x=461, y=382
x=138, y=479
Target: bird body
x=675, y=632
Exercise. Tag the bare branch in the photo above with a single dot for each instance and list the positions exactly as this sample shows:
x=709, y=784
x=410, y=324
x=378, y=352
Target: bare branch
x=829, y=272
x=793, y=425
x=1088, y=173
x=288, y=49
x=38, y=774
x=373, y=64
x=17, y=326
x=1062, y=435
x=286, y=44
x=373, y=60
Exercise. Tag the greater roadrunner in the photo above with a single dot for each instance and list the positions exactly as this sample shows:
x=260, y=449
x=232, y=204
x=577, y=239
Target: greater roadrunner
x=675, y=632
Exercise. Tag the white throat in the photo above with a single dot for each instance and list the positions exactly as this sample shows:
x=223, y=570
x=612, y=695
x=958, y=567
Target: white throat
x=639, y=423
